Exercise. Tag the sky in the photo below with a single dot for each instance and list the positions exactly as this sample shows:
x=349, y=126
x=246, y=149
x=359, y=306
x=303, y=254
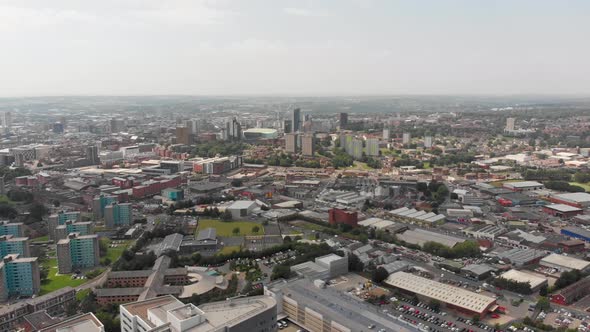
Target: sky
x=294, y=47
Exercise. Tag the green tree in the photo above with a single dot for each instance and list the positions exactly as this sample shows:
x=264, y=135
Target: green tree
x=226, y=215
x=380, y=274
x=236, y=230
x=543, y=304
x=255, y=229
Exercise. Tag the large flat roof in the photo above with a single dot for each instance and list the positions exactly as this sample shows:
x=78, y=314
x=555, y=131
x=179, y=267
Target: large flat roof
x=523, y=184
x=574, y=197
x=520, y=276
x=420, y=236
x=566, y=261
x=455, y=296
x=563, y=208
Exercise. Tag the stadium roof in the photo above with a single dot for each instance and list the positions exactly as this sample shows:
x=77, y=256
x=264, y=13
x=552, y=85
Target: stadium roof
x=455, y=296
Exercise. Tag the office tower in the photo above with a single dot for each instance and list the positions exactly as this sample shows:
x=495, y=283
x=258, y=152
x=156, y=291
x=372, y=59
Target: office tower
x=166, y=313
x=193, y=125
x=308, y=145
x=386, y=134
x=14, y=245
x=117, y=125
x=510, y=124
x=357, y=148
x=7, y=122
x=343, y=120
x=184, y=136
x=291, y=142
x=406, y=138
x=287, y=126
x=92, y=155
x=372, y=147
x=61, y=218
x=428, y=141
x=15, y=228
x=296, y=120
x=99, y=203
x=118, y=215
x=77, y=252
x=19, y=276
x=83, y=228
x=234, y=130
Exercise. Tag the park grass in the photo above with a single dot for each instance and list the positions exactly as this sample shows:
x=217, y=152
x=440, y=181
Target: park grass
x=5, y=200
x=113, y=254
x=229, y=249
x=41, y=239
x=426, y=165
x=56, y=281
x=80, y=295
x=586, y=186
x=226, y=228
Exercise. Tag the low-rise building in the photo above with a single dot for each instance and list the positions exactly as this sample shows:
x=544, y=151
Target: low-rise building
x=562, y=210
x=565, y=263
x=535, y=281
x=257, y=313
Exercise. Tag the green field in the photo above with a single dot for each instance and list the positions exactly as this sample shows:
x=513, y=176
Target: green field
x=228, y=250
x=226, y=228
x=5, y=200
x=426, y=165
x=114, y=253
x=55, y=281
x=586, y=186
x=41, y=239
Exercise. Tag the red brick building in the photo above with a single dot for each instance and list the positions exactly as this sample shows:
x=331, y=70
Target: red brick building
x=337, y=216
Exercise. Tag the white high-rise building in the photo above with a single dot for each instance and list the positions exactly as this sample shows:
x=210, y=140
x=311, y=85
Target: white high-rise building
x=428, y=141
x=510, y=124
x=372, y=147
x=6, y=121
x=406, y=138
x=386, y=134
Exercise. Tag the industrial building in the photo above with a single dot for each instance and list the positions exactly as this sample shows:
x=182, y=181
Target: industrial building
x=338, y=216
x=421, y=236
x=324, y=267
x=562, y=210
x=241, y=209
x=521, y=257
x=519, y=276
x=523, y=186
x=577, y=233
x=419, y=217
x=452, y=297
x=257, y=313
x=579, y=200
x=565, y=263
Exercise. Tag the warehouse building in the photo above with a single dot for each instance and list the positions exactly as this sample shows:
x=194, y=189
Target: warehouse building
x=579, y=200
x=421, y=236
x=521, y=257
x=523, y=186
x=562, y=210
x=577, y=233
x=464, y=301
x=565, y=263
x=535, y=281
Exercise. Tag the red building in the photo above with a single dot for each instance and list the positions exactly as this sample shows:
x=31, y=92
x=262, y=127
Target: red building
x=337, y=216
x=562, y=210
x=573, y=292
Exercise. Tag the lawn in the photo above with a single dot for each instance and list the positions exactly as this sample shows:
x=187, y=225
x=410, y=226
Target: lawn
x=228, y=250
x=41, y=239
x=586, y=186
x=114, y=253
x=5, y=200
x=426, y=165
x=226, y=228
x=55, y=281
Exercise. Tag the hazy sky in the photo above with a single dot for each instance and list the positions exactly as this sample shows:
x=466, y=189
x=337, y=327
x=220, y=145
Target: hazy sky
x=62, y=47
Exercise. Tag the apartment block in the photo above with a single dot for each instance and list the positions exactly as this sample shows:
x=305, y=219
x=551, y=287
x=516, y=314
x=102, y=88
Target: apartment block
x=99, y=203
x=83, y=228
x=11, y=228
x=19, y=277
x=77, y=252
x=14, y=245
x=118, y=215
x=61, y=218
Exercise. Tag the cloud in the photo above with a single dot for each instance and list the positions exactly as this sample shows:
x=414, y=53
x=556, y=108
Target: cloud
x=302, y=12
